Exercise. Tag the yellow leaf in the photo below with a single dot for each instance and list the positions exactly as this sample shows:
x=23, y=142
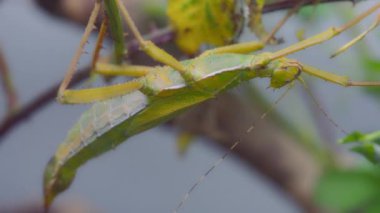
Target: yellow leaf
x=198, y=22
x=255, y=16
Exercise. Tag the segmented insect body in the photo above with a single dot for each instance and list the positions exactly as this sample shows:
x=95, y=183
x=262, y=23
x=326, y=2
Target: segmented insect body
x=107, y=124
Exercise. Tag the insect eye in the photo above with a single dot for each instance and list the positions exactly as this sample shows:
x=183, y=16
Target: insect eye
x=284, y=74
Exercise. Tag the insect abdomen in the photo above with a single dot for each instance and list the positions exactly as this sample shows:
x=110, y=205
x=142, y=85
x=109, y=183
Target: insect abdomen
x=96, y=121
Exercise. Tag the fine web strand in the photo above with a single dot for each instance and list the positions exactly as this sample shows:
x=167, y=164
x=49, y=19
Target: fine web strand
x=229, y=151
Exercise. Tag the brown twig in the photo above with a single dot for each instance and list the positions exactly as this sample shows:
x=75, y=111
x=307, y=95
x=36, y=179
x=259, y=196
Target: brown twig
x=37, y=104
x=286, y=4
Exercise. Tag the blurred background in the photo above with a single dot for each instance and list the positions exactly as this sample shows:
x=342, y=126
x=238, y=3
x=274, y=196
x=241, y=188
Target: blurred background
x=276, y=169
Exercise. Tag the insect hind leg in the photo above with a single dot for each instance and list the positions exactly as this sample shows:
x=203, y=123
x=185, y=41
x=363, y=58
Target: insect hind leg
x=97, y=94
x=122, y=70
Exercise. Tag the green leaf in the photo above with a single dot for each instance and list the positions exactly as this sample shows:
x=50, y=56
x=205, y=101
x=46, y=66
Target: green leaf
x=368, y=151
x=365, y=144
x=198, y=22
x=345, y=191
x=260, y=3
x=352, y=137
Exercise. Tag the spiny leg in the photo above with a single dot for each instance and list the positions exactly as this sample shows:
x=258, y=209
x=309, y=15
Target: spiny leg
x=98, y=47
x=324, y=36
x=151, y=49
x=73, y=65
x=99, y=41
x=101, y=93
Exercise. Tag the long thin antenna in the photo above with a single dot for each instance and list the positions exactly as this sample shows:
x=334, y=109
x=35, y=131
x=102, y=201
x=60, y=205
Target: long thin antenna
x=327, y=116
x=229, y=151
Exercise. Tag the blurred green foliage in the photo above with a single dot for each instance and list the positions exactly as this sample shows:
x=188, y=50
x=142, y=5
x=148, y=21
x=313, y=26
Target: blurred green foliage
x=371, y=68
x=366, y=145
x=356, y=190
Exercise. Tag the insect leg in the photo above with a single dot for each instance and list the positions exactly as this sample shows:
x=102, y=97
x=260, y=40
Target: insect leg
x=97, y=94
x=358, y=38
x=245, y=47
x=151, y=49
x=336, y=79
x=71, y=70
x=122, y=70
x=99, y=41
x=324, y=36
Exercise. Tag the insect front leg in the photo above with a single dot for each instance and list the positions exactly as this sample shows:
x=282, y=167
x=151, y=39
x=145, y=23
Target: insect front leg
x=73, y=65
x=336, y=79
x=152, y=50
x=324, y=36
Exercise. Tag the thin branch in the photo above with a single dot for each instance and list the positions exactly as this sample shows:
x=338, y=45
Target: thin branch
x=37, y=104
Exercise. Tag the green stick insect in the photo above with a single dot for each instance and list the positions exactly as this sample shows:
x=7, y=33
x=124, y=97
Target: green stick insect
x=161, y=92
